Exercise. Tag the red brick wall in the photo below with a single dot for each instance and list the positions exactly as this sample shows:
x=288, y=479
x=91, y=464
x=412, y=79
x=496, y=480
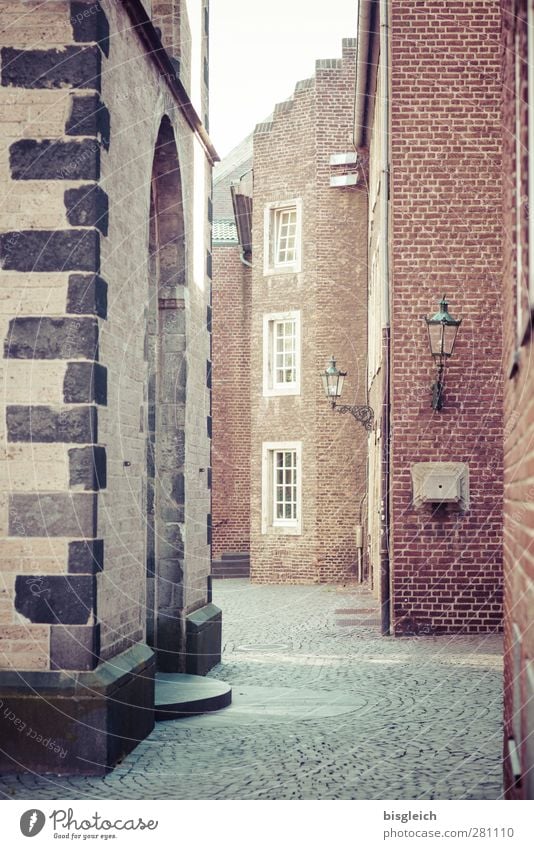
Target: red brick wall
x=519, y=418
x=230, y=402
x=446, y=196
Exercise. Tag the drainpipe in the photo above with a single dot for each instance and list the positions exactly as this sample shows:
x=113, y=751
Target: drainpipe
x=385, y=571
x=362, y=72
x=242, y=257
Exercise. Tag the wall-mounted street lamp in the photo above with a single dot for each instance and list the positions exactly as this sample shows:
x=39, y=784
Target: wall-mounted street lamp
x=333, y=380
x=442, y=330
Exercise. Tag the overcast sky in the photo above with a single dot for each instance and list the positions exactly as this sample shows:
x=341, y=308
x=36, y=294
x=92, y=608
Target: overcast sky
x=259, y=49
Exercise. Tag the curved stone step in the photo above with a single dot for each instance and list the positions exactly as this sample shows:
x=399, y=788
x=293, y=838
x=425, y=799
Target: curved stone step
x=179, y=695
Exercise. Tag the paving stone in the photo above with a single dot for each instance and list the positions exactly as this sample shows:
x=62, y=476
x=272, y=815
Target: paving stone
x=347, y=714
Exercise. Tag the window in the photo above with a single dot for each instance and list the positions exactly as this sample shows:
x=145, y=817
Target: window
x=281, y=353
x=281, y=487
x=282, y=237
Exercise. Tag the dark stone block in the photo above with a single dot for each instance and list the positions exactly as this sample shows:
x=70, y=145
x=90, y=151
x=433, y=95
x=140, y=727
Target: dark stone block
x=208, y=374
x=86, y=556
x=87, y=294
x=150, y=460
x=89, y=23
x=89, y=117
x=208, y=319
x=150, y=497
x=54, y=159
x=172, y=513
x=210, y=210
x=50, y=599
x=56, y=68
x=50, y=250
x=209, y=265
x=209, y=426
x=85, y=383
x=77, y=724
x=178, y=488
x=74, y=647
x=87, y=207
x=203, y=639
x=58, y=514
x=46, y=338
x=209, y=478
x=209, y=529
x=170, y=572
x=170, y=642
x=87, y=467
x=45, y=424
x=171, y=546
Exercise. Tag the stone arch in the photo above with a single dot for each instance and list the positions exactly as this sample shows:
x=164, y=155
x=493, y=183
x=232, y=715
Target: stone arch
x=166, y=399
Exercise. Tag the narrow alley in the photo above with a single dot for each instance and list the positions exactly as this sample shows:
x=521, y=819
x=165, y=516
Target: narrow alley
x=323, y=708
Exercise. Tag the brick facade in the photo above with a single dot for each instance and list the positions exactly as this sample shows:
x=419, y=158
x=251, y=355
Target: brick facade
x=444, y=211
x=292, y=162
x=231, y=401
x=106, y=417
x=445, y=152
x=518, y=406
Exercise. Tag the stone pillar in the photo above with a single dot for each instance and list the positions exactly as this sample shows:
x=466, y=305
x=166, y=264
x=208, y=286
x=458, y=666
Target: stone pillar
x=53, y=466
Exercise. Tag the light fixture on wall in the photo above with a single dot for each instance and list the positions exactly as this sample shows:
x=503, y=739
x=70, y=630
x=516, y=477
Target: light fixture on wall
x=442, y=330
x=333, y=380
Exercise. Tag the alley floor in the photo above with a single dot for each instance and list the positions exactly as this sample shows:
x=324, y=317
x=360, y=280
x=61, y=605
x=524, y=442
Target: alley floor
x=323, y=708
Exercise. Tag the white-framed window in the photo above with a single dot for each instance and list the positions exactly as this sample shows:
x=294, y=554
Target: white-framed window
x=281, y=487
x=281, y=353
x=283, y=237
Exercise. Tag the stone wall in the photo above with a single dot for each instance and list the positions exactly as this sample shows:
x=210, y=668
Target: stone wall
x=87, y=115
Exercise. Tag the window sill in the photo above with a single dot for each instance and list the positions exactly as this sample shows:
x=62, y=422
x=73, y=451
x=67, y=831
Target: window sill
x=281, y=393
x=281, y=270
x=282, y=530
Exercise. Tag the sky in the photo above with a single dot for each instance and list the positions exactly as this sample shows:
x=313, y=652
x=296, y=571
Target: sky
x=259, y=49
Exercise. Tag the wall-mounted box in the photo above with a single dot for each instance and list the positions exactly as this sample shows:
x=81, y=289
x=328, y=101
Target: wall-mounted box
x=350, y=158
x=344, y=180
x=440, y=483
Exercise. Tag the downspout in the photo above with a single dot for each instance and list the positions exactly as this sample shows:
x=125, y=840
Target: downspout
x=385, y=571
x=242, y=257
x=362, y=72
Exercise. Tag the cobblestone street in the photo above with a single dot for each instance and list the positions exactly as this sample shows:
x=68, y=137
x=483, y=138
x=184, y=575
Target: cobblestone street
x=323, y=708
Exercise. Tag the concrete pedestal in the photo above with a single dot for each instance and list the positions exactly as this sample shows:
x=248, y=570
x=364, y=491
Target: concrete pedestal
x=76, y=723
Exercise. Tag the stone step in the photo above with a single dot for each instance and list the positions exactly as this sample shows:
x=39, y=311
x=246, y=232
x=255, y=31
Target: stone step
x=230, y=564
x=180, y=695
x=219, y=570
x=236, y=555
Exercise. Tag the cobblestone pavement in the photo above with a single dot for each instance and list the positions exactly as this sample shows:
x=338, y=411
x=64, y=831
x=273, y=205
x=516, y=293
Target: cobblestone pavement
x=324, y=708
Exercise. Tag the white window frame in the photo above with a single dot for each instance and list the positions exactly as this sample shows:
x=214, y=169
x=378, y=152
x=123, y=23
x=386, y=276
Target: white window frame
x=270, y=385
x=271, y=213
x=269, y=523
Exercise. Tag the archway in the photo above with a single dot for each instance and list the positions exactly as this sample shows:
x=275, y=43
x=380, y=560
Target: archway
x=166, y=398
